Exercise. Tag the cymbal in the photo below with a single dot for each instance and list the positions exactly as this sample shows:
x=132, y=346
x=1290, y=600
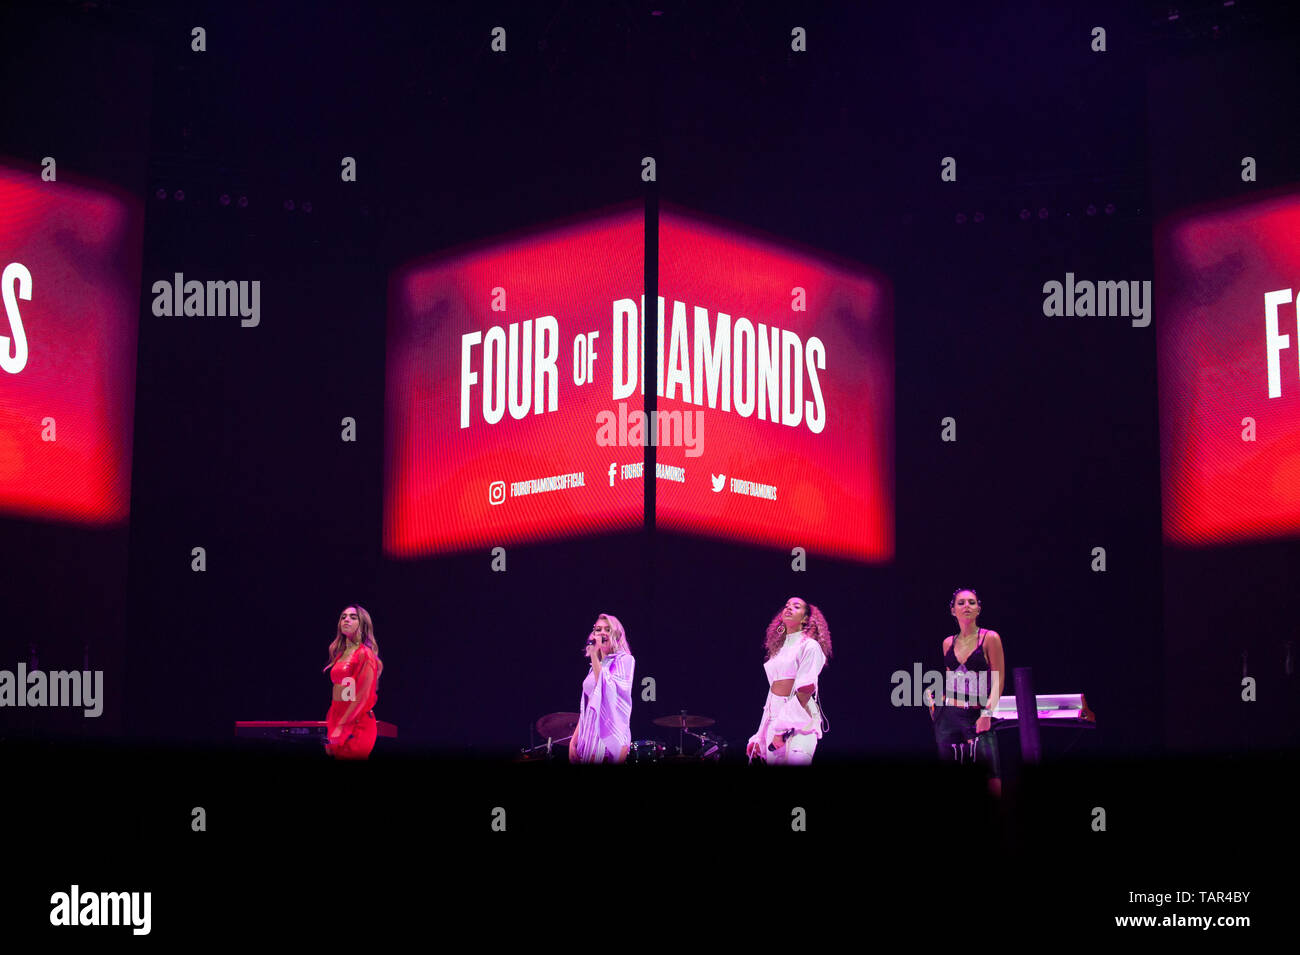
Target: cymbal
x=682, y=722
x=557, y=725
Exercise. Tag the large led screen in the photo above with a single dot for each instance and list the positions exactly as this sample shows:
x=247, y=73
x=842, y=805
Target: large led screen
x=515, y=395
x=1229, y=353
x=780, y=363
x=498, y=361
x=70, y=256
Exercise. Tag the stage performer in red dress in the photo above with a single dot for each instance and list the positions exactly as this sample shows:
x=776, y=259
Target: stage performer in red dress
x=354, y=669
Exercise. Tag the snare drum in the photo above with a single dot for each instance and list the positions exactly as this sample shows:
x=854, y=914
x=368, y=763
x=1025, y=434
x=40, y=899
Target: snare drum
x=645, y=751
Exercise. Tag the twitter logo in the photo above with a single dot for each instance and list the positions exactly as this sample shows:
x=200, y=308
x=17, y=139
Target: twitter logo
x=718, y=481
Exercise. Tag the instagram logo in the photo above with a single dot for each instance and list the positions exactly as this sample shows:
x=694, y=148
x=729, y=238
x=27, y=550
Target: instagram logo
x=497, y=492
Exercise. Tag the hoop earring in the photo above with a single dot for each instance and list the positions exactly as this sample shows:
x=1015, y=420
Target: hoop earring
x=780, y=628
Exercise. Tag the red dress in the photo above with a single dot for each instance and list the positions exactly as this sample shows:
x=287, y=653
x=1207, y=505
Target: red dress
x=355, y=716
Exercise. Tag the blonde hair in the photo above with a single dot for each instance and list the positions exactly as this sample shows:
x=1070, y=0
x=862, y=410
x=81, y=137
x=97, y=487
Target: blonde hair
x=617, y=635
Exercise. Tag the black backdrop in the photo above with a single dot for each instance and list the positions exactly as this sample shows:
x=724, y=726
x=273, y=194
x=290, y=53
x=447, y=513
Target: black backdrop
x=237, y=444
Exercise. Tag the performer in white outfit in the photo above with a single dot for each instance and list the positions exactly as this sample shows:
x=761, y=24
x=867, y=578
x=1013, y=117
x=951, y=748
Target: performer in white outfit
x=798, y=646
x=605, y=712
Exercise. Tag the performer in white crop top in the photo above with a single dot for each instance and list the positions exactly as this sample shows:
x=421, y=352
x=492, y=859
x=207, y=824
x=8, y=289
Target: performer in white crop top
x=798, y=646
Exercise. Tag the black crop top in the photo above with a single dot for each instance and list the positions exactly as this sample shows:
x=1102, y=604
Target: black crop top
x=961, y=681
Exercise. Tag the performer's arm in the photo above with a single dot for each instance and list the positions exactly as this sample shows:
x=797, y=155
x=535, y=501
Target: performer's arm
x=930, y=699
x=811, y=660
x=758, y=739
x=620, y=671
x=997, y=675
x=758, y=742
x=573, y=737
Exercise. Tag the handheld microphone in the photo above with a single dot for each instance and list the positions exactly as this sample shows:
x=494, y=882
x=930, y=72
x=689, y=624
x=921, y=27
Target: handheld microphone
x=601, y=653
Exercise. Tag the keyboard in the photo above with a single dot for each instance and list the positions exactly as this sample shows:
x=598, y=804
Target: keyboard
x=312, y=731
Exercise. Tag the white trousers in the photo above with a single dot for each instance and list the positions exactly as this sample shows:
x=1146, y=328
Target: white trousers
x=797, y=751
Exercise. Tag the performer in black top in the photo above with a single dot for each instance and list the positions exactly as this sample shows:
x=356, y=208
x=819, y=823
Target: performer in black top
x=975, y=673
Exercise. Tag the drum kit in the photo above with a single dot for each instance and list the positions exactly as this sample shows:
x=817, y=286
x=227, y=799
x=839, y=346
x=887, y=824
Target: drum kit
x=558, y=728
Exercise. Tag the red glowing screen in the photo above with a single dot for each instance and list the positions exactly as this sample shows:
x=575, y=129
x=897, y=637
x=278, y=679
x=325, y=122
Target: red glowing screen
x=515, y=399
x=450, y=487
x=804, y=454
x=71, y=282
x=1226, y=282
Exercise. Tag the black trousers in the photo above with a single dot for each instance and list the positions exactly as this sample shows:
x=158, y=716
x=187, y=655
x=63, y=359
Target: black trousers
x=957, y=741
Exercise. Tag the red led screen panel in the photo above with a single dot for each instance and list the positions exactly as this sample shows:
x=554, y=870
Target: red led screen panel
x=785, y=361
x=526, y=423
x=1229, y=354
x=70, y=256
x=489, y=439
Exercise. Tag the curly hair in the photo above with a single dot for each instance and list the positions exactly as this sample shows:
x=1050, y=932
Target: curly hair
x=814, y=626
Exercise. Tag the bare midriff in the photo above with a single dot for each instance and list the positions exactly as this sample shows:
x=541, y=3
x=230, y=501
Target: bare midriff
x=783, y=687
